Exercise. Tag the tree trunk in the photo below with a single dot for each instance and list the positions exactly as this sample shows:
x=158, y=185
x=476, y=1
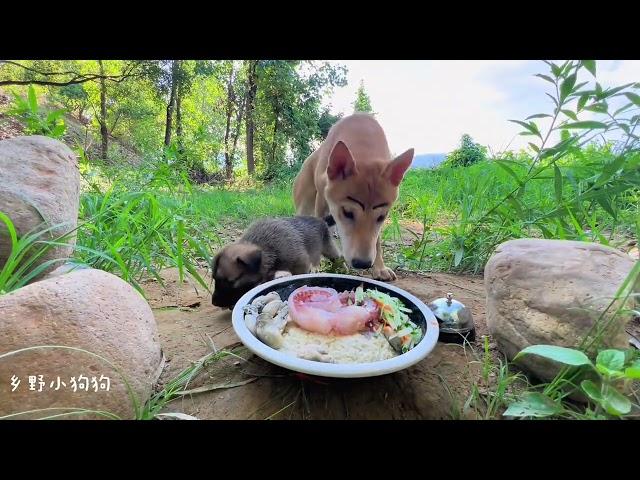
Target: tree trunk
x=236, y=133
x=172, y=102
x=104, y=132
x=179, y=117
x=275, y=140
x=228, y=159
x=252, y=89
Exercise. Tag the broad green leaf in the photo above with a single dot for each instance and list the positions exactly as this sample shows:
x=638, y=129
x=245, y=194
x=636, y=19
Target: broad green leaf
x=538, y=115
x=587, y=124
x=590, y=65
x=533, y=404
x=611, y=359
x=534, y=147
x=600, y=107
x=552, y=98
x=633, y=371
x=566, y=87
x=58, y=131
x=582, y=101
x=598, y=91
x=557, y=184
x=570, y=114
x=546, y=77
x=530, y=126
x=613, y=92
x=615, y=403
x=635, y=98
x=592, y=390
x=55, y=115
x=566, y=356
x=458, y=257
x=33, y=102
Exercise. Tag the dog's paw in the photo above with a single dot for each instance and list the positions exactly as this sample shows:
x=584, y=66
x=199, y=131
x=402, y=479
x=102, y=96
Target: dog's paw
x=385, y=274
x=281, y=274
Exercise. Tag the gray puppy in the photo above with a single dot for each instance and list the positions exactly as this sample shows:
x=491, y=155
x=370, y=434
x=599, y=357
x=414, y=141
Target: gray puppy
x=270, y=248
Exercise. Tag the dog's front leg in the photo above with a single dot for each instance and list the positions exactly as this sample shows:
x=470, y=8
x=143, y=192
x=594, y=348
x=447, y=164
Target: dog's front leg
x=380, y=271
x=281, y=274
x=321, y=209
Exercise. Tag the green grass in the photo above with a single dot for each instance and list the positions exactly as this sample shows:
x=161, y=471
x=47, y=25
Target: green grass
x=451, y=204
x=217, y=206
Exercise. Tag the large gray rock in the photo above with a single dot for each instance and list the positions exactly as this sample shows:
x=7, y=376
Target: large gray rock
x=86, y=309
x=550, y=292
x=39, y=188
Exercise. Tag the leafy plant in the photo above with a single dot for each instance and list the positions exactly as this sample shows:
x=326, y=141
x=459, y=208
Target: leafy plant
x=467, y=154
x=584, y=184
x=75, y=98
x=575, y=203
x=38, y=122
x=136, y=234
x=22, y=265
x=615, y=370
x=610, y=385
x=362, y=102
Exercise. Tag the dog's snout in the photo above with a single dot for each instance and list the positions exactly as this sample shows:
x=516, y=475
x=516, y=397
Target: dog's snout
x=362, y=264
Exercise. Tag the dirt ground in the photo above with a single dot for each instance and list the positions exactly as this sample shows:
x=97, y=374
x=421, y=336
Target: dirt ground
x=250, y=388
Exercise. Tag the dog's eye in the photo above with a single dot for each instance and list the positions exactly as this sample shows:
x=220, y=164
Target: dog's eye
x=347, y=214
x=381, y=218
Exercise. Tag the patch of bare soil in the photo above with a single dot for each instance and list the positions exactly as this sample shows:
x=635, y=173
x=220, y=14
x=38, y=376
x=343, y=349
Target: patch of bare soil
x=250, y=388
x=9, y=127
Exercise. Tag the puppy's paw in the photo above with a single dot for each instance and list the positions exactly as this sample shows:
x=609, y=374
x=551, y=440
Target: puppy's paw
x=281, y=274
x=385, y=274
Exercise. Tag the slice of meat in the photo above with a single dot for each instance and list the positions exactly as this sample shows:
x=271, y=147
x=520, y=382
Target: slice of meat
x=322, y=310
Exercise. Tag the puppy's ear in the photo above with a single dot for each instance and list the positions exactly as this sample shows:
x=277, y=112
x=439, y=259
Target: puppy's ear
x=251, y=260
x=397, y=168
x=341, y=164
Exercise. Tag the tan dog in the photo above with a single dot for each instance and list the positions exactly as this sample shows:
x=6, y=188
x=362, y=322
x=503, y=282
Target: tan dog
x=352, y=177
x=270, y=248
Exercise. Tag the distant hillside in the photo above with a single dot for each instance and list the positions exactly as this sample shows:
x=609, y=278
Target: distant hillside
x=428, y=160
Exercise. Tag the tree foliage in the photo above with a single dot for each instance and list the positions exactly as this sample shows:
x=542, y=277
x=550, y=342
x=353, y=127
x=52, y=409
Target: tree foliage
x=362, y=102
x=467, y=154
x=216, y=117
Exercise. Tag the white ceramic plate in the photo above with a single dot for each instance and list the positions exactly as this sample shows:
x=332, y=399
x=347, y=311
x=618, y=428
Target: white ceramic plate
x=421, y=313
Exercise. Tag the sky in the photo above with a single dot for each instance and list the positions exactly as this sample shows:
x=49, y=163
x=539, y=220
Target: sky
x=428, y=105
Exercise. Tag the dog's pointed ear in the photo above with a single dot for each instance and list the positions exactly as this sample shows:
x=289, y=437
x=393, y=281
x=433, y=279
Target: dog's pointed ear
x=341, y=164
x=251, y=260
x=398, y=167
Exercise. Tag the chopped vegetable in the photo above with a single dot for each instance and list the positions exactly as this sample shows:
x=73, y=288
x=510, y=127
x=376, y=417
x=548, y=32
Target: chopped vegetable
x=401, y=332
x=360, y=295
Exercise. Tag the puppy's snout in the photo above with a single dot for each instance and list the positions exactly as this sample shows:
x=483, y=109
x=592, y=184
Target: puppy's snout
x=361, y=264
x=218, y=301
x=223, y=298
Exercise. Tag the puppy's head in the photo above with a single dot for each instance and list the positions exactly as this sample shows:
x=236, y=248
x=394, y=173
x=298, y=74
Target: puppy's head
x=359, y=198
x=236, y=270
